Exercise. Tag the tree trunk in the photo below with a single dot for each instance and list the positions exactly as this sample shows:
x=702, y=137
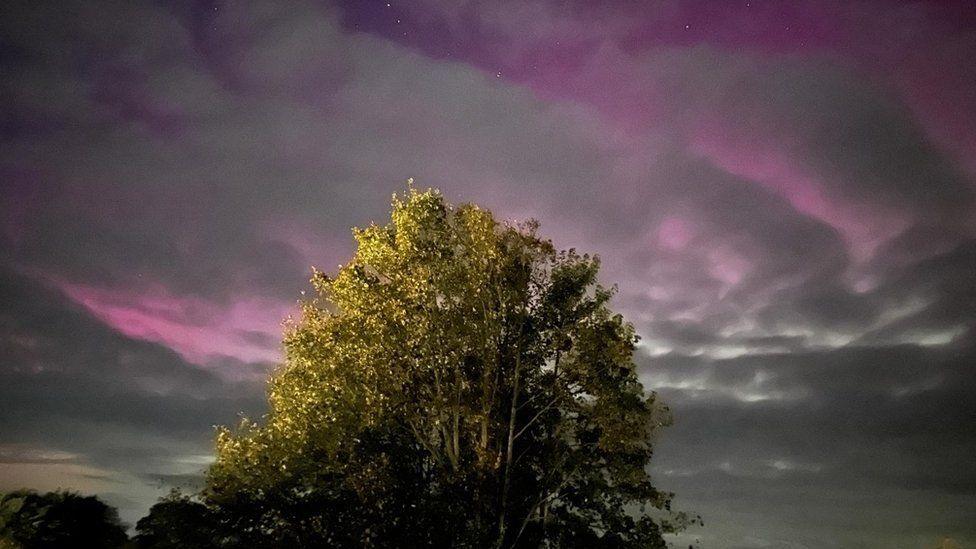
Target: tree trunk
x=506, y=477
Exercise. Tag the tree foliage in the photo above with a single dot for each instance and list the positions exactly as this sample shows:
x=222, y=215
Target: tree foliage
x=58, y=520
x=178, y=522
x=459, y=383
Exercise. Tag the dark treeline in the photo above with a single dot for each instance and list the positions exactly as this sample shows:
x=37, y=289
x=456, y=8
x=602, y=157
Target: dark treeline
x=62, y=519
x=58, y=519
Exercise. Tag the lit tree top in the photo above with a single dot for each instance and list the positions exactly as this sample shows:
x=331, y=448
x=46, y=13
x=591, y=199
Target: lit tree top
x=459, y=383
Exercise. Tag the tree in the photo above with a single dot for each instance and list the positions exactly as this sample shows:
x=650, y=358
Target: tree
x=58, y=520
x=459, y=383
x=178, y=522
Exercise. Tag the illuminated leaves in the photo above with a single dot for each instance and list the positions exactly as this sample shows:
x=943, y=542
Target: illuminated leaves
x=460, y=373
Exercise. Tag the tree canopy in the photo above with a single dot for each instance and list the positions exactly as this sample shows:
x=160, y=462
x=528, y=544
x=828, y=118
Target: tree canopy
x=459, y=383
x=179, y=522
x=57, y=520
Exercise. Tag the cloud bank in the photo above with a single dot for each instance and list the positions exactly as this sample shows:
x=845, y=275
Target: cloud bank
x=784, y=195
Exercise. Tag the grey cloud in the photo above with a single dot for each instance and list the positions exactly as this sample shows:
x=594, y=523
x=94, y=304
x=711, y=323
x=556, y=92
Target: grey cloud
x=856, y=136
x=895, y=415
x=211, y=205
x=75, y=391
x=219, y=152
x=863, y=433
x=942, y=286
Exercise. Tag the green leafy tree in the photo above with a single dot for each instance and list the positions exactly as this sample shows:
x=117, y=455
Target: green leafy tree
x=178, y=522
x=459, y=383
x=57, y=520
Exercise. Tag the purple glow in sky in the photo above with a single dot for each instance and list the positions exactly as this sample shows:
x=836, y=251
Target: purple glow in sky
x=783, y=191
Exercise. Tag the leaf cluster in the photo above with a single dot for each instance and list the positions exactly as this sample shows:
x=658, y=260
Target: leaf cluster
x=459, y=383
x=58, y=519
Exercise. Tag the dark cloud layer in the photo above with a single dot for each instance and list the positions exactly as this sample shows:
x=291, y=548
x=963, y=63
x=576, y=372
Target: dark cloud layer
x=873, y=431
x=77, y=393
x=783, y=192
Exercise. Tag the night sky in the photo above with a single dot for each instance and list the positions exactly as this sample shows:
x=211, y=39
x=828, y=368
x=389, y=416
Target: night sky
x=784, y=193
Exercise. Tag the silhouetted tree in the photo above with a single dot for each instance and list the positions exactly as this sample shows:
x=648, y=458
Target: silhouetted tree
x=459, y=383
x=178, y=522
x=58, y=520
